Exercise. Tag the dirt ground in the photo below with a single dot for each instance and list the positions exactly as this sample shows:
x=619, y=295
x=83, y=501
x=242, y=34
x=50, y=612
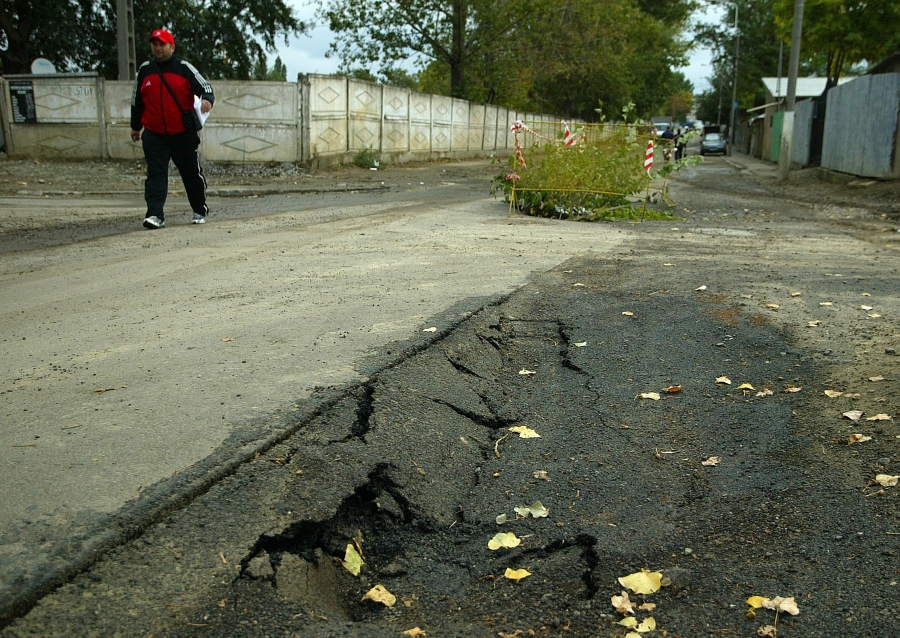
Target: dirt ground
x=747, y=480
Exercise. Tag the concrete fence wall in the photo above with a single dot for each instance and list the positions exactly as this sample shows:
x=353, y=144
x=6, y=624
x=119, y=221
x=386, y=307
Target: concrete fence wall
x=320, y=120
x=861, y=127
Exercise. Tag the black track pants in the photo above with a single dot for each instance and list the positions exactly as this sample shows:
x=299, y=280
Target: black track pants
x=182, y=149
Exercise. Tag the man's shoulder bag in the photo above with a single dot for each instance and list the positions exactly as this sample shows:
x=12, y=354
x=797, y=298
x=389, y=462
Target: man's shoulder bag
x=189, y=118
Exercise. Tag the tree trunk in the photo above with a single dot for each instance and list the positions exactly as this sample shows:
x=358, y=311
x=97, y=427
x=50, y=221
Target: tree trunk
x=457, y=52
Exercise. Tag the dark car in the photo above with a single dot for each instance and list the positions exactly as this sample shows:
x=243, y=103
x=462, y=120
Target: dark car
x=713, y=143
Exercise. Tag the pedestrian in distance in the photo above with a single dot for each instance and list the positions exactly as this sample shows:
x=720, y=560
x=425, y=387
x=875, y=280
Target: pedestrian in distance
x=162, y=104
x=679, y=144
x=669, y=136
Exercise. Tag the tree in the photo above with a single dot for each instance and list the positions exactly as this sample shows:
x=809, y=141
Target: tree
x=223, y=38
x=843, y=32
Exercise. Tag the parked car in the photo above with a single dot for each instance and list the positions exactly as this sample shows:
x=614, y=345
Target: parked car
x=714, y=143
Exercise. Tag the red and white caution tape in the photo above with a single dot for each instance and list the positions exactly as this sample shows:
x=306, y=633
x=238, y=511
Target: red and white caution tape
x=648, y=158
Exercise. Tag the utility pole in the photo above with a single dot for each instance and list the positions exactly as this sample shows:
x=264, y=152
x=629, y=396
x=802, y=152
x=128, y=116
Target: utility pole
x=787, y=127
x=737, y=50
x=125, y=39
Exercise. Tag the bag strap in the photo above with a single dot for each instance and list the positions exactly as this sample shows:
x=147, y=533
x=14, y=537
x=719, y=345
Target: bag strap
x=171, y=92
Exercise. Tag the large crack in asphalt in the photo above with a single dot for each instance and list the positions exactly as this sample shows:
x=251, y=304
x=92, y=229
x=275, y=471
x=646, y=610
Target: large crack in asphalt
x=415, y=465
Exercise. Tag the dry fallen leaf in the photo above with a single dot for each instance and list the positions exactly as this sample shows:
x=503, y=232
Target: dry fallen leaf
x=516, y=574
x=378, y=594
x=622, y=604
x=525, y=432
x=865, y=307
x=773, y=306
x=859, y=438
x=767, y=631
x=649, y=624
x=541, y=474
x=227, y=339
x=878, y=378
x=504, y=539
x=791, y=389
x=864, y=294
x=431, y=329
x=886, y=480
x=580, y=344
x=642, y=582
x=525, y=372
x=628, y=313
x=649, y=395
x=578, y=285
x=873, y=315
x=746, y=386
x=700, y=289
x=672, y=389
x=647, y=607
x=501, y=519
x=352, y=560
x=536, y=509
x=826, y=303
x=415, y=631
x=833, y=394
x=788, y=605
x=813, y=324
x=853, y=415
x=765, y=392
x=724, y=380
x=712, y=461
x=746, y=296
x=796, y=294
x=879, y=417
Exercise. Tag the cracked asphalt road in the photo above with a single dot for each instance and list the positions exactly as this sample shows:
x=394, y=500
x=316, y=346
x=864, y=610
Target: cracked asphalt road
x=414, y=460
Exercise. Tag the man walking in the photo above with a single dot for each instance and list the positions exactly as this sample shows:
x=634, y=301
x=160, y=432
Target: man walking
x=154, y=109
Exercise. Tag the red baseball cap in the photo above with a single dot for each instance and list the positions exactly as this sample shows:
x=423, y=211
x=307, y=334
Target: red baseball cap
x=163, y=36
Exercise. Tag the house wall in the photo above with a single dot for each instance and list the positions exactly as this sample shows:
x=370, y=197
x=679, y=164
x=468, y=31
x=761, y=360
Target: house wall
x=320, y=120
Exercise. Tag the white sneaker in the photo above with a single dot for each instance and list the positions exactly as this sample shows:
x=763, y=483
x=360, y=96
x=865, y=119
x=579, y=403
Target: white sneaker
x=153, y=222
x=198, y=219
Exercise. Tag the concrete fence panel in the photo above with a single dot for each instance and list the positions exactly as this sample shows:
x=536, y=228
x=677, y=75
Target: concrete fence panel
x=395, y=129
x=365, y=116
x=117, y=98
x=459, y=140
x=476, y=127
x=420, y=120
x=442, y=120
x=861, y=127
x=490, y=128
x=327, y=115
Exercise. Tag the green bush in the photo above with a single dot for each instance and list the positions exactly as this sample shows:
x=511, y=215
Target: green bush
x=366, y=158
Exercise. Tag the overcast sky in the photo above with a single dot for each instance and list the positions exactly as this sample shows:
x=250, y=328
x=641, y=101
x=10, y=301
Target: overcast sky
x=306, y=54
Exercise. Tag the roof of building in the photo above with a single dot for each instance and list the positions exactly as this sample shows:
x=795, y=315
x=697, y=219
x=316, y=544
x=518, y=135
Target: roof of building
x=806, y=87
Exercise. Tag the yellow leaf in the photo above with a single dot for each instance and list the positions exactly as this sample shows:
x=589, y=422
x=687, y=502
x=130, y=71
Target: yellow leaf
x=886, y=480
x=649, y=624
x=578, y=285
x=859, y=438
x=536, y=509
x=622, y=604
x=826, y=303
x=415, y=631
x=791, y=389
x=796, y=294
x=352, y=560
x=525, y=372
x=630, y=621
x=724, y=380
x=642, y=582
x=756, y=601
x=580, y=344
x=746, y=386
x=647, y=607
x=864, y=294
x=879, y=417
x=712, y=461
x=672, y=389
x=628, y=313
x=516, y=574
x=227, y=339
x=632, y=634
x=773, y=306
x=649, y=395
x=525, y=432
x=503, y=539
x=378, y=594
x=501, y=519
x=833, y=393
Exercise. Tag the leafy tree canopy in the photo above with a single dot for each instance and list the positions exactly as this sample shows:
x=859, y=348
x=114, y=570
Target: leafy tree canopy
x=223, y=38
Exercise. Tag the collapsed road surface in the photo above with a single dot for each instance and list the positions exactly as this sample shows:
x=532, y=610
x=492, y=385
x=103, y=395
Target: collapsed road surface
x=748, y=480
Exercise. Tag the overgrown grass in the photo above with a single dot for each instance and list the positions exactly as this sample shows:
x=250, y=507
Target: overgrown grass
x=366, y=158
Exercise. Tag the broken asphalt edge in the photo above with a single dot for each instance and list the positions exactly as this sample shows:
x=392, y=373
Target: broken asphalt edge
x=178, y=491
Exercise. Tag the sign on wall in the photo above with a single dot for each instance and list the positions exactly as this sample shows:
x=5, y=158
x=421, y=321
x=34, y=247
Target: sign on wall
x=21, y=94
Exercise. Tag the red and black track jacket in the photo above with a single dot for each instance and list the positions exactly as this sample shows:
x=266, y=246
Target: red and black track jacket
x=152, y=106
